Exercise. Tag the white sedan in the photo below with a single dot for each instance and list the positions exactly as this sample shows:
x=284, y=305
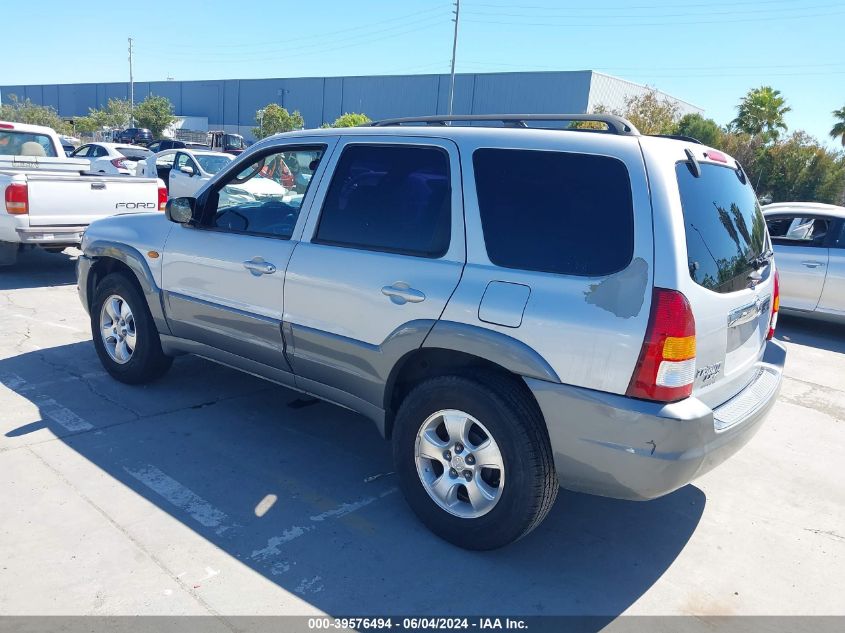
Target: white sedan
x=113, y=158
x=185, y=171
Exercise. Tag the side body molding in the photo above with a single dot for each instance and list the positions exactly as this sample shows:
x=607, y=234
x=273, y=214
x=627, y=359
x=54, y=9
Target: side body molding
x=133, y=259
x=491, y=345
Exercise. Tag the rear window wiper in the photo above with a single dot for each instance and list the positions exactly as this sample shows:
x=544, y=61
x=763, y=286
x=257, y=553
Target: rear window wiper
x=762, y=259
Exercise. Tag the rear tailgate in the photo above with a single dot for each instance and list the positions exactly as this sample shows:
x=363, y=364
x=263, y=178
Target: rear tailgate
x=77, y=201
x=730, y=281
x=711, y=244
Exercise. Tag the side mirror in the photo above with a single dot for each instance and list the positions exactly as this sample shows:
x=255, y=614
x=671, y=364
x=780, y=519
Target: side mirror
x=187, y=169
x=180, y=210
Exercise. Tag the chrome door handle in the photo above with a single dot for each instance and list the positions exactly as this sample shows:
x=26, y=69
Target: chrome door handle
x=812, y=264
x=401, y=293
x=258, y=266
x=98, y=185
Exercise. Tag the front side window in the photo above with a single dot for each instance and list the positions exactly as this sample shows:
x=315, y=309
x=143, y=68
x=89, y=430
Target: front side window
x=183, y=160
x=82, y=152
x=389, y=198
x=798, y=231
x=254, y=201
x=555, y=212
x=212, y=164
x=725, y=229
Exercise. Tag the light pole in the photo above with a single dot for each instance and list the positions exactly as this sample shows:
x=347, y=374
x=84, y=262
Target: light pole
x=131, y=89
x=454, y=50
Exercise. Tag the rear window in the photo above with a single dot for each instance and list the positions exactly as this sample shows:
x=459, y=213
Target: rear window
x=555, y=212
x=13, y=143
x=725, y=229
x=135, y=153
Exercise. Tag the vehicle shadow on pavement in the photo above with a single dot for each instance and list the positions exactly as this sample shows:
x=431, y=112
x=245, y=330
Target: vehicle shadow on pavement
x=811, y=332
x=36, y=268
x=302, y=492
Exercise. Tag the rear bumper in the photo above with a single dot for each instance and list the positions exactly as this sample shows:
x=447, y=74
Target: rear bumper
x=51, y=235
x=621, y=447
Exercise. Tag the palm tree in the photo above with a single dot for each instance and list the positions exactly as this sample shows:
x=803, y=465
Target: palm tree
x=838, y=130
x=761, y=111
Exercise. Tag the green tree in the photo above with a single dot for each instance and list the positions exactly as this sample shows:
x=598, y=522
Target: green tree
x=115, y=115
x=17, y=111
x=651, y=113
x=273, y=119
x=155, y=113
x=799, y=168
x=705, y=130
x=351, y=119
x=838, y=130
x=762, y=112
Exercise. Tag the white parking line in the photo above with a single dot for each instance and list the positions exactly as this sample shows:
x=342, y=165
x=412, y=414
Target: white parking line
x=180, y=496
x=61, y=415
x=50, y=323
x=346, y=508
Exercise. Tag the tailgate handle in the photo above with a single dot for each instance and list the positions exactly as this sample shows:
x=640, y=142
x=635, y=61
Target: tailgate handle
x=98, y=185
x=745, y=314
x=813, y=264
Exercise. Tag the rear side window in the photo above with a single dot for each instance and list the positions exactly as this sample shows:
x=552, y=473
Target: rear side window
x=725, y=229
x=798, y=231
x=13, y=143
x=387, y=198
x=555, y=212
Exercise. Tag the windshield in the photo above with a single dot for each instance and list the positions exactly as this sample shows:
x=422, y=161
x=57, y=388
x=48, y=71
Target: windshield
x=233, y=141
x=14, y=143
x=725, y=230
x=135, y=153
x=212, y=164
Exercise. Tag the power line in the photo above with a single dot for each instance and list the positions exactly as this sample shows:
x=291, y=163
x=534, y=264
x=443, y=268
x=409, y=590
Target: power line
x=591, y=7
x=628, y=24
x=740, y=12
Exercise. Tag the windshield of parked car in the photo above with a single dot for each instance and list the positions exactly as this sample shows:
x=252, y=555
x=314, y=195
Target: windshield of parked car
x=135, y=153
x=233, y=141
x=212, y=164
x=14, y=143
x=725, y=229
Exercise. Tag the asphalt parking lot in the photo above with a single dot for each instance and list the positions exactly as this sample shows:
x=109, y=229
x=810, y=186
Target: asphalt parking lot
x=213, y=492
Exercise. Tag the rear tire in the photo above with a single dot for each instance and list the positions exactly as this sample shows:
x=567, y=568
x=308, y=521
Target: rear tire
x=514, y=499
x=8, y=253
x=124, y=333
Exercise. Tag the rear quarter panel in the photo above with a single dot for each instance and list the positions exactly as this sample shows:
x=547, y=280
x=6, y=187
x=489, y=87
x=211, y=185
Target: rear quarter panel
x=589, y=329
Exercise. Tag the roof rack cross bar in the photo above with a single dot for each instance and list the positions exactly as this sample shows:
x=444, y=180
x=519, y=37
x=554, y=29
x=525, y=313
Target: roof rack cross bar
x=615, y=124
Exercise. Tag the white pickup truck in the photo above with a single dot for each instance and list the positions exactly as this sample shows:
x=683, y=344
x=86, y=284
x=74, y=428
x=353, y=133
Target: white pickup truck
x=51, y=199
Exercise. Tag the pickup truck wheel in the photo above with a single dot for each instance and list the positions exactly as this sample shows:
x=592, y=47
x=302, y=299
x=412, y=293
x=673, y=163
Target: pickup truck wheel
x=474, y=459
x=8, y=253
x=124, y=333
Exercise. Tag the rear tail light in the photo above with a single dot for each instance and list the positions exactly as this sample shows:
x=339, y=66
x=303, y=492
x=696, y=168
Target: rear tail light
x=775, y=307
x=162, y=198
x=17, y=199
x=665, y=370
x=118, y=162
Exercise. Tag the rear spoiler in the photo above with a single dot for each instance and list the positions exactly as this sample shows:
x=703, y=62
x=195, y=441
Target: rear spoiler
x=44, y=163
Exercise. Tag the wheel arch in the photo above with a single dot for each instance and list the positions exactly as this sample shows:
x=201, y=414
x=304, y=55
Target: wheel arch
x=457, y=348
x=110, y=257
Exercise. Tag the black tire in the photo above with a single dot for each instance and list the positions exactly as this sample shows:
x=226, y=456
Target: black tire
x=514, y=420
x=148, y=362
x=8, y=253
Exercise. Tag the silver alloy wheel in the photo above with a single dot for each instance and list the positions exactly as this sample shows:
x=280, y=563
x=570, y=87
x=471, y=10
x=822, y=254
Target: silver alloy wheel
x=465, y=473
x=117, y=329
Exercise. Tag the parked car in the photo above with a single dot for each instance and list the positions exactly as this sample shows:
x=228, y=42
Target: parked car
x=167, y=143
x=809, y=244
x=135, y=135
x=112, y=158
x=68, y=144
x=227, y=142
x=51, y=199
x=598, y=327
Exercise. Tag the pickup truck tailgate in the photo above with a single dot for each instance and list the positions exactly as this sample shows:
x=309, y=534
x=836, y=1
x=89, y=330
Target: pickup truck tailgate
x=73, y=201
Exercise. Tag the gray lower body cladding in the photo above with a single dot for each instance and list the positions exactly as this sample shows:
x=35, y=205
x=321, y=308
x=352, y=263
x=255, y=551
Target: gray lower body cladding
x=615, y=446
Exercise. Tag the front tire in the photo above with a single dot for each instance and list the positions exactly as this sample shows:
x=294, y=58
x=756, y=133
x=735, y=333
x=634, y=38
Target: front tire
x=474, y=459
x=8, y=253
x=125, y=336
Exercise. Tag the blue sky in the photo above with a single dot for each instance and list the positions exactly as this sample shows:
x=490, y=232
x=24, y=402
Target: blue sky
x=708, y=53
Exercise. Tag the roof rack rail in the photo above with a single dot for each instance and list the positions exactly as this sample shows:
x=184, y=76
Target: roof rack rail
x=679, y=137
x=615, y=124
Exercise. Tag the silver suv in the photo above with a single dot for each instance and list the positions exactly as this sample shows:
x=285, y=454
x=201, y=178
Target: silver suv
x=515, y=307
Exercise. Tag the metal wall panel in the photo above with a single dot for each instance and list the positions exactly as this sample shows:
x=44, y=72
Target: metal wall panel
x=231, y=104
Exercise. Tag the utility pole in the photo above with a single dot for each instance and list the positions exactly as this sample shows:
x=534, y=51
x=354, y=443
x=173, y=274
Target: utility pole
x=131, y=89
x=454, y=50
